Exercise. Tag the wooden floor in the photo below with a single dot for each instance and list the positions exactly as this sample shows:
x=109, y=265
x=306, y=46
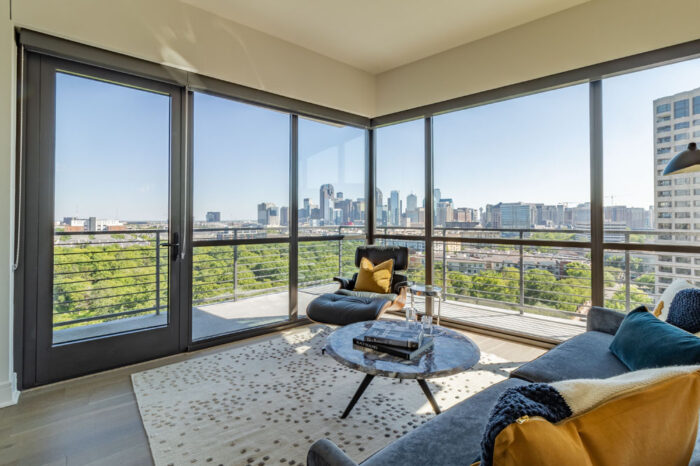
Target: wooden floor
x=95, y=420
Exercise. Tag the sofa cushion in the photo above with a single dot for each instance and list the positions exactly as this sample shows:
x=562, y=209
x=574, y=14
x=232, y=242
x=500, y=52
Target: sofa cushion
x=343, y=310
x=585, y=356
x=375, y=278
x=664, y=304
x=643, y=341
x=453, y=437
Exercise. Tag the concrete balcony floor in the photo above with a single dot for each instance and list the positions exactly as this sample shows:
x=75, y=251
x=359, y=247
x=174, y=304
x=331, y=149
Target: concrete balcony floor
x=227, y=317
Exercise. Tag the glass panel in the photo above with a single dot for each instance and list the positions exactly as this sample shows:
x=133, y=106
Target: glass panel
x=515, y=166
x=331, y=178
x=112, y=159
x=641, y=204
x=400, y=161
x=241, y=170
x=240, y=192
x=237, y=287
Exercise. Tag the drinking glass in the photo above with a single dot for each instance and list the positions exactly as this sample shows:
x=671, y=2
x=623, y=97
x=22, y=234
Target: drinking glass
x=427, y=322
x=411, y=316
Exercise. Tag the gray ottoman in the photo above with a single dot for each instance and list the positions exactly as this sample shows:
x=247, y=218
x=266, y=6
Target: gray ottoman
x=338, y=309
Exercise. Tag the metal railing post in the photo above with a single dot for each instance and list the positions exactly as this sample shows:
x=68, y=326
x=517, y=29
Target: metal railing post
x=444, y=265
x=628, y=275
x=340, y=253
x=521, y=277
x=235, y=266
x=157, y=272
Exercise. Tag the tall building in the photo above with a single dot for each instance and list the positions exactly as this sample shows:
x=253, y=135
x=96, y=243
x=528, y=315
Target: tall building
x=284, y=216
x=268, y=214
x=213, y=216
x=326, y=203
x=676, y=197
x=394, y=208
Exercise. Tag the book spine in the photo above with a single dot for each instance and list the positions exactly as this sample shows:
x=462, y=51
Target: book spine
x=410, y=344
x=381, y=349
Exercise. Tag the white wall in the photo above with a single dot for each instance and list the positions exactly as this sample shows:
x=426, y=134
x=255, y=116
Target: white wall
x=591, y=33
x=186, y=37
x=8, y=394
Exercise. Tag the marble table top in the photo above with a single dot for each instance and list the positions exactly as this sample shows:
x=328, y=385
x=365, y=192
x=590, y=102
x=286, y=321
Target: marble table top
x=451, y=353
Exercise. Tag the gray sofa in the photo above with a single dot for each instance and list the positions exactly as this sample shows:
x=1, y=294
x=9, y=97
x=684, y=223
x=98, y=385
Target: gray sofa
x=454, y=437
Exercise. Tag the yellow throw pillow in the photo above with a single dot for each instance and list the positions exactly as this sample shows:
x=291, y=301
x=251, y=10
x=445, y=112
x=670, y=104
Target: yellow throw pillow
x=649, y=418
x=374, y=278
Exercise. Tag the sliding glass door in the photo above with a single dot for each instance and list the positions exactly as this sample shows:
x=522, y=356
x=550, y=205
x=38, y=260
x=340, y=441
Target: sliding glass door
x=103, y=163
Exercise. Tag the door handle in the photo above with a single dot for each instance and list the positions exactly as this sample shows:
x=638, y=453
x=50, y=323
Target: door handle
x=174, y=245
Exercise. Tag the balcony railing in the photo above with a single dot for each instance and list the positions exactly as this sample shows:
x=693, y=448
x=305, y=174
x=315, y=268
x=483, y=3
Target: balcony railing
x=109, y=275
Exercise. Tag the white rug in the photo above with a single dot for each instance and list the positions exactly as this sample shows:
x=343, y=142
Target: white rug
x=267, y=402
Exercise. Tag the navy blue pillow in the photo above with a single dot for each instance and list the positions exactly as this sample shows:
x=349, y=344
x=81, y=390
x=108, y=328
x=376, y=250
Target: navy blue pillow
x=685, y=310
x=643, y=342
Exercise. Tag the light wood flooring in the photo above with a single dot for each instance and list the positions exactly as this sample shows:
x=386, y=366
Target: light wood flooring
x=95, y=420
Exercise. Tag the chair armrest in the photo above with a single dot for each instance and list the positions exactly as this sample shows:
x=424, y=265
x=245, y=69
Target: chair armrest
x=325, y=453
x=345, y=283
x=602, y=319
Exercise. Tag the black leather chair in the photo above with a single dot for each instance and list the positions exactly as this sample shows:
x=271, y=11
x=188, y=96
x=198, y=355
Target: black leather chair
x=347, y=306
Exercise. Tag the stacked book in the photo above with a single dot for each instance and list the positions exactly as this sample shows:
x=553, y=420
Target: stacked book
x=387, y=337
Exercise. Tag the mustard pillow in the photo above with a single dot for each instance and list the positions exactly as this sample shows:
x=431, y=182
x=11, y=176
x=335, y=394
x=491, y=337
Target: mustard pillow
x=645, y=417
x=374, y=278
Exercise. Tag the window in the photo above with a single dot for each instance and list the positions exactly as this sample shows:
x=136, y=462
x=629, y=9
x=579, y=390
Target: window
x=548, y=196
x=663, y=161
x=681, y=181
x=683, y=260
x=696, y=122
x=682, y=192
x=696, y=134
x=400, y=191
x=682, y=125
x=680, y=108
x=331, y=178
x=663, y=183
x=682, y=215
x=679, y=148
x=696, y=105
x=665, y=269
x=664, y=139
x=696, y=192
x=663, y=215
x=682, y=203
x=664, y=204
x=663, y=150
x=663, y=108
x=663, y=118
x=665, y=226
x=682, y=226
x=682, y=271
x=664, y=193
x=663, y=129
x=665, y=258
x=696, y=214
x=665, y=281
x=680, y=136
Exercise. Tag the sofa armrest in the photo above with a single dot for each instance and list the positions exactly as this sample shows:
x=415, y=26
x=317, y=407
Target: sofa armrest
x=602, y=319
x=325, y=453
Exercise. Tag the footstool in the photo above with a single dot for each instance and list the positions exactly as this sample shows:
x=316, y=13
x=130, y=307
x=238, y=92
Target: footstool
x=337, y=309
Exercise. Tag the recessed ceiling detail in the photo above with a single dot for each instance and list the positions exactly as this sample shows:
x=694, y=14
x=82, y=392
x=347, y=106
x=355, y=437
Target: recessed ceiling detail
x=378, y=35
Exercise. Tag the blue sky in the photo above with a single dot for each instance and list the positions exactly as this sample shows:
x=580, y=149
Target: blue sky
x=112, y=150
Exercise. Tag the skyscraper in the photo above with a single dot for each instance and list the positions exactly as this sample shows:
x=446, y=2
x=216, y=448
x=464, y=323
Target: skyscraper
x=213, y=216
x=326, y=203
x=394, y=209
x=676, y=197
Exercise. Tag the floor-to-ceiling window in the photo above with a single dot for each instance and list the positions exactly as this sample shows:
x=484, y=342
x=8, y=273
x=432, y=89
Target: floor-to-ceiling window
x=648, y=117
x=332, y=209
x=240, y=204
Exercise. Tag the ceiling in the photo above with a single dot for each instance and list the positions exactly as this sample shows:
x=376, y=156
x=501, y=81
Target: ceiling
x=378, y=35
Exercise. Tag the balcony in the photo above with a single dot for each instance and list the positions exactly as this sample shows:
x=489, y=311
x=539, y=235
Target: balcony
x=111, y=282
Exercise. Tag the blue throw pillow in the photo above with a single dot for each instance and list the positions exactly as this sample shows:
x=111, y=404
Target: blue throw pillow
x=685, y=310
x=643, y=342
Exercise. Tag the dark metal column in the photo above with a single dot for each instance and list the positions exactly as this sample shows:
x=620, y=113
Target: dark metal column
x=429, y=210
x=370, y=184
x=596, y=147
x=293, y=217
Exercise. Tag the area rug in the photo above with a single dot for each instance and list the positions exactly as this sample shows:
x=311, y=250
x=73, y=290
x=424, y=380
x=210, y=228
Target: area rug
x=265, y=403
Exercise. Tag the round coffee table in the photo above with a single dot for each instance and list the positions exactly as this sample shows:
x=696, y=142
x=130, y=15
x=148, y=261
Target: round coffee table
x=451, y=353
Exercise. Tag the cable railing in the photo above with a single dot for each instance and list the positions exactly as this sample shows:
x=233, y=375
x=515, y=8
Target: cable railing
x=109, y=275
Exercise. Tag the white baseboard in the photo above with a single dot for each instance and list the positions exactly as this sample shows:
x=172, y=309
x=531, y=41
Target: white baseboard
x=8, y=392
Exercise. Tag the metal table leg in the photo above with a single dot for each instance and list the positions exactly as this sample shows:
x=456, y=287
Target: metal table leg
x=360, y=390
x=429, y=395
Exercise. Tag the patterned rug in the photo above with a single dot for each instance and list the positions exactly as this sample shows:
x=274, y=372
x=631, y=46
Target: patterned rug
x=267, y=402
